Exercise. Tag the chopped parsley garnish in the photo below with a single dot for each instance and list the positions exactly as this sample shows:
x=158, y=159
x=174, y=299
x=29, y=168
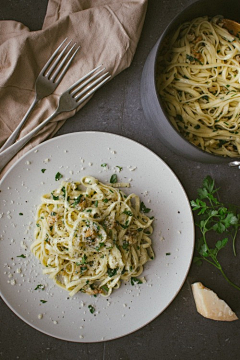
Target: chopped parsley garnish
x=43, y=170
x=113, y=179
x=77, y=200
x=83, y=269
x=135, y=280
x=192, y=58
x=84, y=258
x=119, y=167
x=91, y=309
x=124, y=226
x=64, y=191
x=143, y=208
x=112, y=272
x=205, y=97
x=127, y=212
x=125, y=245
x=101, y=244
x=39, y=286
x=103, y=165
x=20, y=213
x=179, y=117
x=105, y=289
x=43, y=301
x=58, y=176
x=22, y=256
x=55, y=197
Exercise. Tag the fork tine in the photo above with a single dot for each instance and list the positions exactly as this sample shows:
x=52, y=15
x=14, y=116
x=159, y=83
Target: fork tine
x=54, y=65
x=52, y=57
x=92, y=88
x=83, y=84
x=83, y=78
x=56, y=61
x=64, y=67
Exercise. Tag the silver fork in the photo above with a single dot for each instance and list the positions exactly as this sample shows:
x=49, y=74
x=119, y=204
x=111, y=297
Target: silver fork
x=48, y=80
x=68, y=101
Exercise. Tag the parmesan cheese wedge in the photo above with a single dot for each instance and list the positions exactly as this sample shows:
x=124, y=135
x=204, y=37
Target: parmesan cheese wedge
x=209, y=305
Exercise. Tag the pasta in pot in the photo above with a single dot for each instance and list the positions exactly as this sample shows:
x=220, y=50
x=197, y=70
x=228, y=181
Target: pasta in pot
x=198, y=80
x=90, y=236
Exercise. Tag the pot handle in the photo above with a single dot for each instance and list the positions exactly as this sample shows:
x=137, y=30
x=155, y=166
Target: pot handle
x=234, y=163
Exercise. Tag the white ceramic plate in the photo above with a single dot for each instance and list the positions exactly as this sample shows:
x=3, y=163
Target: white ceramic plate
x=130, y=307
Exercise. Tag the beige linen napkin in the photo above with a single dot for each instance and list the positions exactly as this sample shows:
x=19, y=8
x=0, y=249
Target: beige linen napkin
x=107, y=31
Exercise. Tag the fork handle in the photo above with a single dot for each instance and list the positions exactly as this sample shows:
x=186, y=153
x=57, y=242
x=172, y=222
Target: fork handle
x=7, y=154
x=15, y=133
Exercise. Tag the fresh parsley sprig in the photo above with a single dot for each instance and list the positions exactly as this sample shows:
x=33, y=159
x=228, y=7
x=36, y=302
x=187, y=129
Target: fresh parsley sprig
x=214, y=216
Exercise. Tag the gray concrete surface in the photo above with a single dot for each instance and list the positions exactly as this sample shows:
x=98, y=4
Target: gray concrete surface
x=179, y=332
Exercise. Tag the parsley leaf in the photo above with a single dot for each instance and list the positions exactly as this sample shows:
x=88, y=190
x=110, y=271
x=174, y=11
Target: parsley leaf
x=54, y=197
x=91, y=309
x=215, y=218
x=135, y=280
x=84, y=258
x=112, y=272
x=58, y=176
x=77, y=200
x=105, y=289
x=127, y=212
x=39, y=286
x=143, y=208
x=113, y=179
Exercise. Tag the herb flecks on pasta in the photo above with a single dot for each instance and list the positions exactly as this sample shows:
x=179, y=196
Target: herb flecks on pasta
x=199, y=83
x=90, y=236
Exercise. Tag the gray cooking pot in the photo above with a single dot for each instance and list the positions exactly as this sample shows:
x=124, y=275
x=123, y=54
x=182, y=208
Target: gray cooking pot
x=151, y=103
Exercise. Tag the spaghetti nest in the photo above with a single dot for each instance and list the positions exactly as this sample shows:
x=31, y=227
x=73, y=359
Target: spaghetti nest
x=90, y=236
x=199, y=83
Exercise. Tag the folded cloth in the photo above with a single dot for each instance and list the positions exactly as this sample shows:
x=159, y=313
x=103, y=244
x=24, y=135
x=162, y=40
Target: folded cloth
x=107, y=31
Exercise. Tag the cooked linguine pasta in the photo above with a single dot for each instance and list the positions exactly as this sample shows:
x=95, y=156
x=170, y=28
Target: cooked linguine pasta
x=199, y=83
x=90, y=236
